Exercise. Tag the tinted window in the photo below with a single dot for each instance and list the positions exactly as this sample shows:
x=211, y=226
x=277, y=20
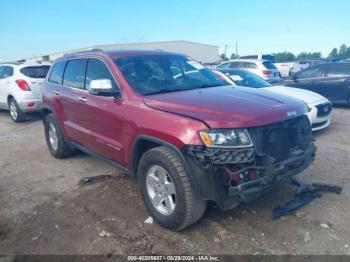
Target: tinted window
x=7, y=72
x=96, y=69
x=313, y=72
x=154, y=74
x=225, y=65
x=1, y=71
x=249, y=57
x=269, y=65
x=247, y=65
x=270, y=58
x=339, y=70
x=35, y=71
x=74, y=74
x=56, y=75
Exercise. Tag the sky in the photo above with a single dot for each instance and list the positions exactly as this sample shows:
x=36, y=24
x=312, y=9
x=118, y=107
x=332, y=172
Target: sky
x=34, y=27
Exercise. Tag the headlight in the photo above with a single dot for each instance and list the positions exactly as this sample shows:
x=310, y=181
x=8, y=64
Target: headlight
x=226, y=138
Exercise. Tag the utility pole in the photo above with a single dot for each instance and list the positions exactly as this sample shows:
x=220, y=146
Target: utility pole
x=236, y=48
x=225, y=50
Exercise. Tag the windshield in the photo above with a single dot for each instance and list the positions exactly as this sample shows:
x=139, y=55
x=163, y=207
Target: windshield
x=154, y=74
x=247, y=79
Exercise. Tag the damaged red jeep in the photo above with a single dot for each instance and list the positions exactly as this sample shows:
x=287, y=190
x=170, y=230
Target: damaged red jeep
x=185, y=134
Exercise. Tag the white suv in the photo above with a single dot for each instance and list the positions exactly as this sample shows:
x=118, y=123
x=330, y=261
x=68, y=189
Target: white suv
x=263, y=68
x=20, y=88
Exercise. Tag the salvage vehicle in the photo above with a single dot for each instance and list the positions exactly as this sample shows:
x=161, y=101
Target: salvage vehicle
x=331, y=80
x=20, y=88
x=320, y=109
x=186, y=135
x=263, y=68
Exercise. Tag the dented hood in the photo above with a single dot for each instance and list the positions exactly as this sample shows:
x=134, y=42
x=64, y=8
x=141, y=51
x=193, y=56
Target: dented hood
x=228, y=106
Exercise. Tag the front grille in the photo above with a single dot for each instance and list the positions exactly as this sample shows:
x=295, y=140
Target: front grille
x=280, y=140
x=324, y=109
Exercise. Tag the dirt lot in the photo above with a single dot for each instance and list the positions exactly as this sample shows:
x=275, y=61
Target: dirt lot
x=44, y=209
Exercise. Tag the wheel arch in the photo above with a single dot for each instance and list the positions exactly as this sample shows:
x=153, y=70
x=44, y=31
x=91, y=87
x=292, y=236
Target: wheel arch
x=143, y=143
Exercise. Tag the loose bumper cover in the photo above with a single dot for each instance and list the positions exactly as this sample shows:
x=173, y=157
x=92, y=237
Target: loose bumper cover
x=230, y=176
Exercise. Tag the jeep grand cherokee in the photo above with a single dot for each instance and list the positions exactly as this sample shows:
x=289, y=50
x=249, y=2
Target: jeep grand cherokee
x=185, y=134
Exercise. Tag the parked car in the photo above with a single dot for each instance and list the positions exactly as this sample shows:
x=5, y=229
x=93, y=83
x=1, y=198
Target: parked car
x=177, y=127
x=320, y=109
x=20, y=88
x=263, y=68
x=331, y=80
x=268, y=57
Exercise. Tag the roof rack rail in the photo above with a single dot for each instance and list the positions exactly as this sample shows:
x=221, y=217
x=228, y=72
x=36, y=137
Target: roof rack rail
x=84, y=51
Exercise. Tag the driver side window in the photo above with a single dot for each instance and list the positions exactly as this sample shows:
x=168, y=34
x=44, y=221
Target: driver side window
x=97, y=70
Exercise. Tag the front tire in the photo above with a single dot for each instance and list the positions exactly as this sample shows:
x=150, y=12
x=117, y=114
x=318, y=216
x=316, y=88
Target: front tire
x=166, y=190
x=56, y=143
x=16, y=113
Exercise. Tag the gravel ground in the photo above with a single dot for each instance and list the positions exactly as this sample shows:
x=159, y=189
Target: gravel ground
x=45, y=210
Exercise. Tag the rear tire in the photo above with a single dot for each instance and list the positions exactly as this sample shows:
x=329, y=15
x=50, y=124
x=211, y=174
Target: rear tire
x=186, y=208
x=56, y=143
x=16, y=113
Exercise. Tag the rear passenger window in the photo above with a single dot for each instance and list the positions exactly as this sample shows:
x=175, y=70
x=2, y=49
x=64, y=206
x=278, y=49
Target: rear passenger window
x=74, y=75
x=269, y=65
x=56, y=75
x=96, y=69
x=339, y=70
x=248, y=65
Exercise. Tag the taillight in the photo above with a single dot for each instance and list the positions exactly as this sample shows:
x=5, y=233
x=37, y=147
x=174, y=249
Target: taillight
x=22, y=84
x=267, y=72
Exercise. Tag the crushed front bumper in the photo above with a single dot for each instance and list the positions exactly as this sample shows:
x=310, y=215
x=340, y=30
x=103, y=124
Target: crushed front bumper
x=230, y=176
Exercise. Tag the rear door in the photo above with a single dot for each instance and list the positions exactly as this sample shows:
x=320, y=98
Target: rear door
x=70, y=95
x=35, y=77
x=336, y=85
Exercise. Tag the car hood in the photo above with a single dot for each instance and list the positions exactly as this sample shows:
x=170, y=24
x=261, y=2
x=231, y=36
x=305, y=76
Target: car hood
x=305, y=95
x=228, y=106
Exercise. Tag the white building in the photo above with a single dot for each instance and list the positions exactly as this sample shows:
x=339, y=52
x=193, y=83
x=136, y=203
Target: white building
x=202, y=52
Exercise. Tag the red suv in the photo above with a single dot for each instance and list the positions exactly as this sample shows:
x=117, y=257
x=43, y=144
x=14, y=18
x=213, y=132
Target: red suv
x=185, y=134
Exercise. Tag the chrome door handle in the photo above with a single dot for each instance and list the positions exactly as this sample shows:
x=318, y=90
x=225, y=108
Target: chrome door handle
x=56, y=92
x=82, y=99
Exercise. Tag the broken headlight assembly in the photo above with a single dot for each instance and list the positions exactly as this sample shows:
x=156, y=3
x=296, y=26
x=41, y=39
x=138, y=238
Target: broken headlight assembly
x=231, y=138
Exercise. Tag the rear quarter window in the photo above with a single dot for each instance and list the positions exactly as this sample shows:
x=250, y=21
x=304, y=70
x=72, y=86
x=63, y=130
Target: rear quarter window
x=35, y=71
x=269, y=65
x=56, y=75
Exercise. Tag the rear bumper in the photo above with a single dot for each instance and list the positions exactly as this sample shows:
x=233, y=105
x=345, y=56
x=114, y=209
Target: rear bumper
x=30, y=105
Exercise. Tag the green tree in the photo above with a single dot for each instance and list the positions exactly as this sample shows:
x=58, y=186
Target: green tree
x=234, y=56
x=309, y=55
x=334, y=53
x=344, y=52
x=284, y=57
x=224, y=57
